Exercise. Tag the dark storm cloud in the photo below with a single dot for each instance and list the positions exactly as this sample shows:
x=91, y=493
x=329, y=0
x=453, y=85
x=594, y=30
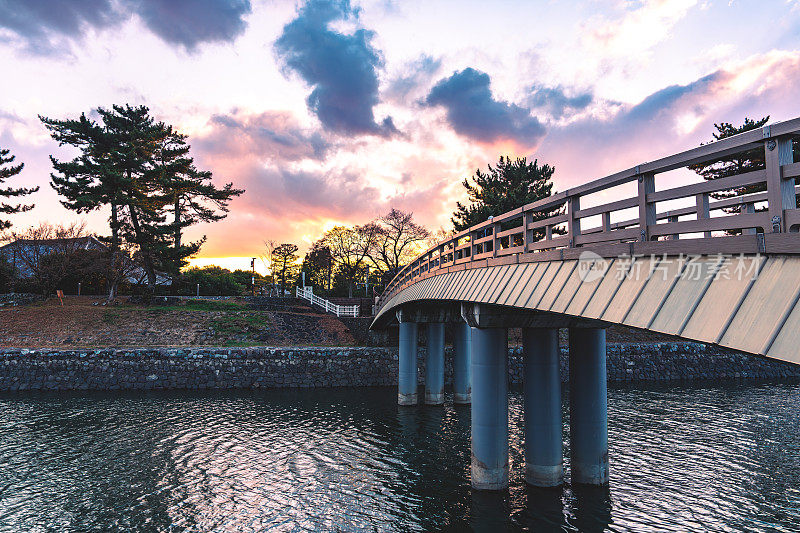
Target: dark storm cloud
x=341, y=68
x=556, y=103
x=49, y=26
x=473, y=112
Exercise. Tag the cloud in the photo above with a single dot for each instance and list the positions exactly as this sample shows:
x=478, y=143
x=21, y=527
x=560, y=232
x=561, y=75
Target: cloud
x=638, y=29
x=556, y=103
x=281, y=165
x=271, y=136
x=341, y=68
x=192, y=22
x=413, y=76
x=663, y=103
x=473, y=112
x=674, y=118
x=45, y=26
x=50, y=27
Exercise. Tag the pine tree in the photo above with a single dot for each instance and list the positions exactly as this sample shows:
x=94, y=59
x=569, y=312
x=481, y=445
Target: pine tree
x=142, y=170
x=135, y=137
x=102, y=175
x=318, y=266
x=740, y=163
x=190, y=197
x=7, y=170
x=506, y=186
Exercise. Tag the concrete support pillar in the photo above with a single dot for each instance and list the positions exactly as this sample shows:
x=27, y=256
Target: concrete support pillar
x=588, y=406
x=434, y=365
x=490, y=408
x=542, y=383
x=407, y=379
x=462, y=363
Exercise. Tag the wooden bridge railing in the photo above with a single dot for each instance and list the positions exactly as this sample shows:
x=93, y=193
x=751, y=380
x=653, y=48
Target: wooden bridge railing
x=557, y=223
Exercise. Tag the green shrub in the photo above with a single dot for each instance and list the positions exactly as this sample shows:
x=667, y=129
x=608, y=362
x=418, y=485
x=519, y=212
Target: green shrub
x=213, y=281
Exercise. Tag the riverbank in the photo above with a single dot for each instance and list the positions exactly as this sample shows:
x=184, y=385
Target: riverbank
x=86, y=322
x=289, y=367
x=90, y=322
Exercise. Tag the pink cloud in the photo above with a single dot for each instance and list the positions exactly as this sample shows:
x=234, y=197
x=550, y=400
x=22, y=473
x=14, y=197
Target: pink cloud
x=675, y=118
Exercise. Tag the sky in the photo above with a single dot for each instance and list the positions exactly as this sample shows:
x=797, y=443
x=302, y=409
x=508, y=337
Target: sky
x=332, y=112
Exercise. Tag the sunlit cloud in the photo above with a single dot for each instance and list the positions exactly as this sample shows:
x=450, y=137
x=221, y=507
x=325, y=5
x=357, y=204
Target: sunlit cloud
x=292, y=100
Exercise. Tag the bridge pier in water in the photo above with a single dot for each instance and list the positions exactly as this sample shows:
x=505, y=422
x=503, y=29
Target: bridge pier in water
x=588, y=405
x=434, y=365
x=542, y=401
x=434, y=317
x=490, y=408
x=407, y=364
x=480, y=368
x=462, y=363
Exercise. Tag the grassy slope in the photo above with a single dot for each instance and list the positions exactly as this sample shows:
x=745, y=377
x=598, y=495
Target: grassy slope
x=85, y=322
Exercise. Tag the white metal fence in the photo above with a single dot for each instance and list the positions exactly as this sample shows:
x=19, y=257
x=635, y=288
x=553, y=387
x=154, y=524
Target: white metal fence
x=307, y=293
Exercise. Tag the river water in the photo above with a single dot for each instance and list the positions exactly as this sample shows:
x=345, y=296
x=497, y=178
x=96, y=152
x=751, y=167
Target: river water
x=699, y=458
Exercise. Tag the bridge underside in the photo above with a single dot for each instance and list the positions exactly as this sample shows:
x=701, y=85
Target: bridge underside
x=747, y=303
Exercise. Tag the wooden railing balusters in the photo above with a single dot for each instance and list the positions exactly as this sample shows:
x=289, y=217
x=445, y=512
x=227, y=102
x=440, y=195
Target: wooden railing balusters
x=573, y=223
x=647, y=210
x=780, y=192
x=703, y=213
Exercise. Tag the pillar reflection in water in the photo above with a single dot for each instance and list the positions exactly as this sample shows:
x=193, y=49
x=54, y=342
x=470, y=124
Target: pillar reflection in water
x=489, y=512
x=590, y=508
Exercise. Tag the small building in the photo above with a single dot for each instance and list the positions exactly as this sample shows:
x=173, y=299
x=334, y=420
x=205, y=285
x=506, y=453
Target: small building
x=22, y=253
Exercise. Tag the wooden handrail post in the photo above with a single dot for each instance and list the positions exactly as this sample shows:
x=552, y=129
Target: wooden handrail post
x=573, y=223
x=675, y=236
x=702, y=210
x=780, y=192
x=527, y=234
x=495, y=240
x=647, y=210
x=748, y=208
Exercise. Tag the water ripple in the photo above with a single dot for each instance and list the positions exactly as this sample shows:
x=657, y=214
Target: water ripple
x=682, y=459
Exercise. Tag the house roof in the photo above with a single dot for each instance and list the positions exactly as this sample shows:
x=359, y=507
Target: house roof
x=90, y=239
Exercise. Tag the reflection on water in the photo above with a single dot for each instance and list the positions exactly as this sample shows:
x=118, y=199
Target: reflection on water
x=688, y=459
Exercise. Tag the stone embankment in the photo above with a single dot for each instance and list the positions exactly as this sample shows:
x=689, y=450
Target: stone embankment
x=14, y=299
x=223, y=368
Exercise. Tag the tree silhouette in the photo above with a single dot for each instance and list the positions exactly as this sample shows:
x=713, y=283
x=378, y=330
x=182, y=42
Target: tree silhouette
x=506, y=186
x=7, y=170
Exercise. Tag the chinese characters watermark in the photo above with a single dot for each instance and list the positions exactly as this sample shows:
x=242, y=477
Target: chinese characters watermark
x=691, y=267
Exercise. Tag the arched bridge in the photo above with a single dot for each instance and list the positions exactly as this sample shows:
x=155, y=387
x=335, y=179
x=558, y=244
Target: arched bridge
x=618, y=250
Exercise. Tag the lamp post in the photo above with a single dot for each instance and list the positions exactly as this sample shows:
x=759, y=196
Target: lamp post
x=253, y=275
